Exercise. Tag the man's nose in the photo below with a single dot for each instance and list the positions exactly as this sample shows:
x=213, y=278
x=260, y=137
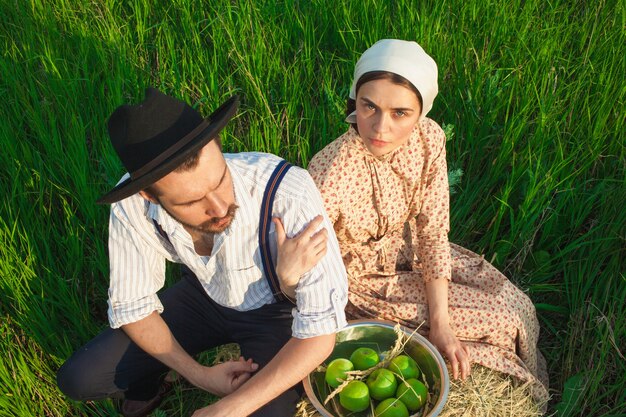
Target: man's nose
x=216, y=206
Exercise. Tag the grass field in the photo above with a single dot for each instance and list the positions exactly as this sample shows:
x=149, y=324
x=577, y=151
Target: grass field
x=533, y=92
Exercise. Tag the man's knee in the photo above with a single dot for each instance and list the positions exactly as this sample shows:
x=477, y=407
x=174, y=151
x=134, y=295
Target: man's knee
x=89, y=374
x=73, y=381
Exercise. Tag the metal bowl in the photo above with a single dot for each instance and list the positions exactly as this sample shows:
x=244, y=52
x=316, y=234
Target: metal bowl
x=380, y=336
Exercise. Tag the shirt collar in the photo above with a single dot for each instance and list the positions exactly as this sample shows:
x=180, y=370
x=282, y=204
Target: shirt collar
x=156, y=213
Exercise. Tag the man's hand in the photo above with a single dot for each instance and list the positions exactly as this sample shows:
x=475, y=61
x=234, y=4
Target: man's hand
x=224, y=378
x=298, y=255
x=208, y=411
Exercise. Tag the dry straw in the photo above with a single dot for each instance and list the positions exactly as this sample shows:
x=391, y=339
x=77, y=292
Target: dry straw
x=490, y=393
x=229, y=352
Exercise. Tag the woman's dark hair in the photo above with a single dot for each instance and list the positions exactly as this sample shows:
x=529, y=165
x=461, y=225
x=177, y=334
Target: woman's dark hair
x=380, y=75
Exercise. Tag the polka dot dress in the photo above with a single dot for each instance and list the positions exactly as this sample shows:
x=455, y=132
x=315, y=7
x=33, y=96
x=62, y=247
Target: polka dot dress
x=391, y=217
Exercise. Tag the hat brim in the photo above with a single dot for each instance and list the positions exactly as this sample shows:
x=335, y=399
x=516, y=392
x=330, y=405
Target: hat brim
x=218, y=119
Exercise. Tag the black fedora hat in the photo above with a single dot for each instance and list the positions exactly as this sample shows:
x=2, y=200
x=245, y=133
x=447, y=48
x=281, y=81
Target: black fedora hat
x=155, y=136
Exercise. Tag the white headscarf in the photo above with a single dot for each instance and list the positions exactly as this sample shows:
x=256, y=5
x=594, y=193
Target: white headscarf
x=405, y=58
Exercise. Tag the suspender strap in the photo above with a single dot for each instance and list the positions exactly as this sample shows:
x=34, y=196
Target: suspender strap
x=161, y=231
x=264, y=230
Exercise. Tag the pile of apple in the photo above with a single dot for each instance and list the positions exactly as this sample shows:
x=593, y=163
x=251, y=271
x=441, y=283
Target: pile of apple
x=395, y=390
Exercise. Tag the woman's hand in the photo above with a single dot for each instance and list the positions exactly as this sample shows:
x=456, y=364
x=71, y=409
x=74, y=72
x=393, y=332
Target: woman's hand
x=441, y=334
x=224, y=378
x=457, y=353
x=298, y=255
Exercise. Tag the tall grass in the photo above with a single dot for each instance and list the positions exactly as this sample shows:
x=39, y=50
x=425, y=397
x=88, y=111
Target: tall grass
x=534, y=89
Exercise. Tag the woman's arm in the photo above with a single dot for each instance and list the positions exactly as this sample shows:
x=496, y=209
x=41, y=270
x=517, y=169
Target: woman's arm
x=441, y=333
x=325, y=168
x=433, y=250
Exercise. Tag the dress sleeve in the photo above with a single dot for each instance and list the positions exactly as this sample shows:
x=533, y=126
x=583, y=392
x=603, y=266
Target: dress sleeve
x=433, y=220
x=323, y=169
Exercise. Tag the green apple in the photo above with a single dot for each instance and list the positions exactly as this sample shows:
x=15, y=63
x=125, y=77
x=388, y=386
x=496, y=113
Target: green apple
x=355, y=396
x=382, y=384
x=364, y=358
x=336, y=371
x=412, y=393
x=404, y=366
x=391, y=407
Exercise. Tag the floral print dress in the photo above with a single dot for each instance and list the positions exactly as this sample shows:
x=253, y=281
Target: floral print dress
x=391, y=217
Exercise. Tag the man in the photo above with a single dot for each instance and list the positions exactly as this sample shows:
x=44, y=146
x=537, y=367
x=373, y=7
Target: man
x=186, y=202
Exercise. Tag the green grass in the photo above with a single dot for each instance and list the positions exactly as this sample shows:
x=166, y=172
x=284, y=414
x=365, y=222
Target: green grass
x=534, y=89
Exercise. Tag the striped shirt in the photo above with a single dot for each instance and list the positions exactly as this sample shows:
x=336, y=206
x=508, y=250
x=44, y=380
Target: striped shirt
x=233, y=274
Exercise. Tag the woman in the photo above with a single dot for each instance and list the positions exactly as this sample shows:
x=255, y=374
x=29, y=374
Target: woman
x=385, y=187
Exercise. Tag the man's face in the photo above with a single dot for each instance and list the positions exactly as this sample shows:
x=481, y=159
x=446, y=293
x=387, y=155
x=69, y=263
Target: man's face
x=202, y=199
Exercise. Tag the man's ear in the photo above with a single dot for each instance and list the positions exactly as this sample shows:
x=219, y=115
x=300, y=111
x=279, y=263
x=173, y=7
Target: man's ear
x=148, y=196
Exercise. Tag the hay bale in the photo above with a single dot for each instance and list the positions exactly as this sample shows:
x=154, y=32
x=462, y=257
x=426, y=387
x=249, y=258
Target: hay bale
x=486, y=393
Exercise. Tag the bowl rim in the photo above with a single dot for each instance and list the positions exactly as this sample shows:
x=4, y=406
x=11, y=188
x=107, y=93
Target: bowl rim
x=443, y=397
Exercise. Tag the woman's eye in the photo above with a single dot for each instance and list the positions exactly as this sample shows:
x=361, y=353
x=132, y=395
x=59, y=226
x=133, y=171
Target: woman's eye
x=400, y=113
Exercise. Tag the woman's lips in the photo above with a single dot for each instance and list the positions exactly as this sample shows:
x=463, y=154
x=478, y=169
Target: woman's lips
x=378, y=143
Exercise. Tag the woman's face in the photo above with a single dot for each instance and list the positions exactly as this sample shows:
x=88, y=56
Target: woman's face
x=386, y=114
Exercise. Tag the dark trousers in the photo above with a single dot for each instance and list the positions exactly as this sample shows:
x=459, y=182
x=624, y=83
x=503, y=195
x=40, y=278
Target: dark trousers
x=111, y=364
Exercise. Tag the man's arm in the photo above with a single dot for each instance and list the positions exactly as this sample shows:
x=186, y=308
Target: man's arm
x=154, y=336
x=322, y=292
x=292, y=364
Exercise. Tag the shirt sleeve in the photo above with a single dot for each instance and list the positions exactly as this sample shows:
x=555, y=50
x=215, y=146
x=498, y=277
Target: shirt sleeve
x=137, y=270
x=433, y=220
x=323, y=168
x=322, y=293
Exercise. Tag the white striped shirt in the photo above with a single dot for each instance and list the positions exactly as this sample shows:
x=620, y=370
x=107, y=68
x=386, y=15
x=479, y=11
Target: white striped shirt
x=233, y=275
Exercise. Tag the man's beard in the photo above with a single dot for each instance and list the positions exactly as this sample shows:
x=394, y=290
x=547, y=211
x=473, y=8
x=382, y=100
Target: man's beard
x=210, y=226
